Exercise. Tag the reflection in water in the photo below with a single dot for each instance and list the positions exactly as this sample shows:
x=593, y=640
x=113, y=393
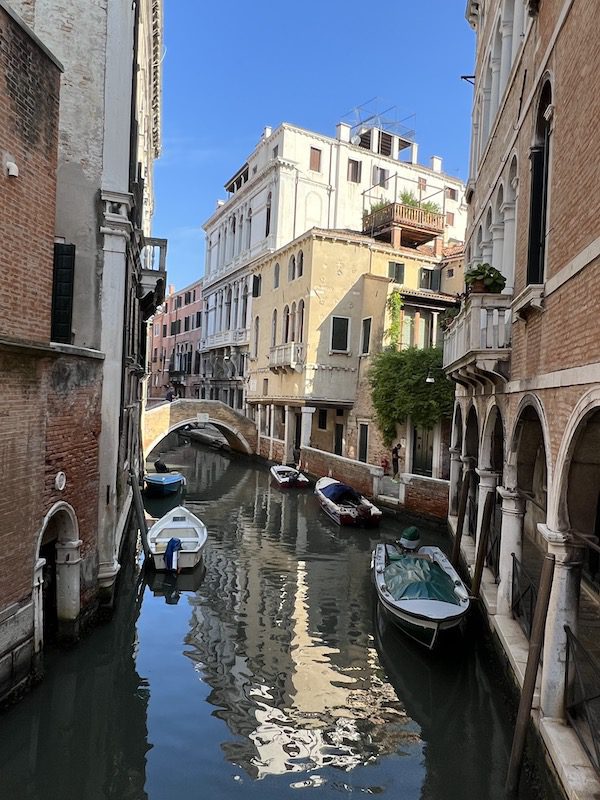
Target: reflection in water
x=259, y=677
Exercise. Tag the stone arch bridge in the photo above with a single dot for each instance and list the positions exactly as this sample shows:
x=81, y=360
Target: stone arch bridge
x=166, y=417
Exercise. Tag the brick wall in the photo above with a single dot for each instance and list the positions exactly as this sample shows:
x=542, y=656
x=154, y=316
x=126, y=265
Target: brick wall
x=318, y=464
x=73, y=427
x=29, y=97
x=426, y=497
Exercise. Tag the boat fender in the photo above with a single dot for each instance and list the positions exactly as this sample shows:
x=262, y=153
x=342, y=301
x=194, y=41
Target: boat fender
x=461, y=592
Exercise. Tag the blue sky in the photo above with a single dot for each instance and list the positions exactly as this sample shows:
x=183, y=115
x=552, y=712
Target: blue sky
x=232, y=67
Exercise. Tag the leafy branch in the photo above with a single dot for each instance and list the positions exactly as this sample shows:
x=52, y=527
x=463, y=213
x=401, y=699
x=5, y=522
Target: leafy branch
x=394, y=304
x=399, y=389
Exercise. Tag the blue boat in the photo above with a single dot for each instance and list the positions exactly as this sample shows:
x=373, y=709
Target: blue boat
x=162, y=483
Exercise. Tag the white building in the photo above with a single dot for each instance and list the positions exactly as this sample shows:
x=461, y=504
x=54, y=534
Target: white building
x=295, y=180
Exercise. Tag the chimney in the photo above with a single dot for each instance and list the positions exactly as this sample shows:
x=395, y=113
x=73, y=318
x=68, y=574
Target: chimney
x=266, y=132
x=342, y=132
x=220, y=203
x=414, y=153
x=171, y=289
x=436, y=163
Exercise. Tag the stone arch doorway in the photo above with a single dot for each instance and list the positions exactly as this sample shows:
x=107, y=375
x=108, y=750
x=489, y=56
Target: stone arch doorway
x=491, y=475
x=578, y=507
x=56, y=584
x=530, y=462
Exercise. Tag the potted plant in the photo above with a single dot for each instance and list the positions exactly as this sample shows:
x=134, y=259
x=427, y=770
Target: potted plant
x=485, y=278
x=446, y=317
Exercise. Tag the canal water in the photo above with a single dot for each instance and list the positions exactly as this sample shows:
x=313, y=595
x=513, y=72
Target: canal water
x=267, y=674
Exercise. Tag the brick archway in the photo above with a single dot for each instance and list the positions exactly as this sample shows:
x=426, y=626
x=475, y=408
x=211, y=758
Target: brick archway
x=165, y=418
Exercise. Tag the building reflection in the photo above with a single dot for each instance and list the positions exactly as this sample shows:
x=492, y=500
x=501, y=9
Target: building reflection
x=95, y=712
x=281, y=637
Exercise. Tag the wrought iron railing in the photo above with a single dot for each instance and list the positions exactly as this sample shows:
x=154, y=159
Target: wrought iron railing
x=582, y=697
x=524, y=596
x=492, y=558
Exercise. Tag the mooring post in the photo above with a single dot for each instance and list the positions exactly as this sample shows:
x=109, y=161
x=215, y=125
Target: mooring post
x=484, y=534
x=139, y=510
x=460, y=524
x=533, y=660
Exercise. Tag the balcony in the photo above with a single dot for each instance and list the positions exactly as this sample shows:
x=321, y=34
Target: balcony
x=477, y=344
x=403, y=225
x=153, y=274
x=284, y=357
x=178, y=376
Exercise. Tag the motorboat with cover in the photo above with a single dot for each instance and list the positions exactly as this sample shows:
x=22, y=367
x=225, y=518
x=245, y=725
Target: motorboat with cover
x=286, y=477
x=160, y=484
x=418, y=587
x=176, y=541
x=345, y=505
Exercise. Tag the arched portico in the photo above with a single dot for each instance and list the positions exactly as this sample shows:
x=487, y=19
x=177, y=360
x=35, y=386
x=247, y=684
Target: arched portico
x=56, y=582
x=455, y=460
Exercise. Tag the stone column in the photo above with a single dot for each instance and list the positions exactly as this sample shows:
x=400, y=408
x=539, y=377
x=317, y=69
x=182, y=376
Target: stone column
x=38, y=606
x=511, y=541
x=259, y=409
x=505, y=53
x=518, y=28
x=68, y=598
x=455, y=472
x=286, y=434
x=271, y=429
x=468, y=463
x=562, y=610
x=488, y=481
x=497, y=232
x=487, y=251
x=508, y=248
x=485, y=127
x=495, y=98
x=306, y=427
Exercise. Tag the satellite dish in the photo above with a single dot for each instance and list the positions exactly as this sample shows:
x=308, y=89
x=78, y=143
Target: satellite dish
x=355, y=139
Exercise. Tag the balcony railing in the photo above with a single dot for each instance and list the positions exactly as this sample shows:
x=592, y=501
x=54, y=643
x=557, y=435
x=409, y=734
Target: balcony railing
x=479, y=338
x=405, y=216
x=289, y=355
x=582, y=697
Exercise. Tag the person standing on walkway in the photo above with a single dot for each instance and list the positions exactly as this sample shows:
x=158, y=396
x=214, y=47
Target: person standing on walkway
x=169, y=395
x=395, y=457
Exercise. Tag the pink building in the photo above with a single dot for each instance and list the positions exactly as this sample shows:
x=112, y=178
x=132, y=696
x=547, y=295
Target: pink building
x=174, y=341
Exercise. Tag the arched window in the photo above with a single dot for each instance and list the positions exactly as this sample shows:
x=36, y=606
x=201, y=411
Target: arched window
x=256, y=332
x=233, y=227
x=300, y=322
x=274, y=328
x=300, y=264
x=538, y=211
x=249, y=229
x=293, y=323
x=276, y=276
x=220, y=313
x=244, y=321
x=240, y=242
x=285, y=330
x=268, y=220
x=292, y=268
x=228, y=310
x=234, y=314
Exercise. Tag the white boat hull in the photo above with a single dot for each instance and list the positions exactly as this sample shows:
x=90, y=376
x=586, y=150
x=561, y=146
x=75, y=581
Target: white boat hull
x=181, y=524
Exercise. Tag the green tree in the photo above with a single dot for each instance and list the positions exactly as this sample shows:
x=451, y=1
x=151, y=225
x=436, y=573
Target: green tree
x=399, y=389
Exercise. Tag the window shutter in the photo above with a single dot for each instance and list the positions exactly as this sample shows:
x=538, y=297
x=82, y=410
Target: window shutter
x=255, y=286
x=62, y=292
x=435, y=280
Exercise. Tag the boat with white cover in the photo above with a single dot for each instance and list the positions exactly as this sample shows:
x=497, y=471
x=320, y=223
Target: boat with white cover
x=345, y=505
x=288, y=477
x=420, y=590
x=159, y=484
x=190, y=537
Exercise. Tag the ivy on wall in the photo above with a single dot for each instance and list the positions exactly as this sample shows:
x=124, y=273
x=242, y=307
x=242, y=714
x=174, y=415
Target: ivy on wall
x=399, y=389
x=394, y=304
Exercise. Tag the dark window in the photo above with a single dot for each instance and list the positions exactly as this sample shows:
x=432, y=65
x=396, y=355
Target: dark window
x=178, y=302
x=196, y=363
x=380, y=176
x=363, y=441
x=540, y=160
x=451, y=194
x=366, y=336
x=422, y=461
x=256, y=285
x=164, y=329
x=265, y=386
x=62, y=292
x=187, y=298
x=322, y=422
x=450, y=273
x=339, y=412
x=385, y=144
x=315, y=159
x=449, y=218
x=422, y=184
x=186, y=324
x=429, y=279
x=276, y=151
x=396, y=271
x=354, y=170
x=339, y=334
x=338, y=443
x=198, y=319
x=276, y=277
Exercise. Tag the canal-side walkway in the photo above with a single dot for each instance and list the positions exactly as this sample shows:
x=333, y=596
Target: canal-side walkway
x=567, y=756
